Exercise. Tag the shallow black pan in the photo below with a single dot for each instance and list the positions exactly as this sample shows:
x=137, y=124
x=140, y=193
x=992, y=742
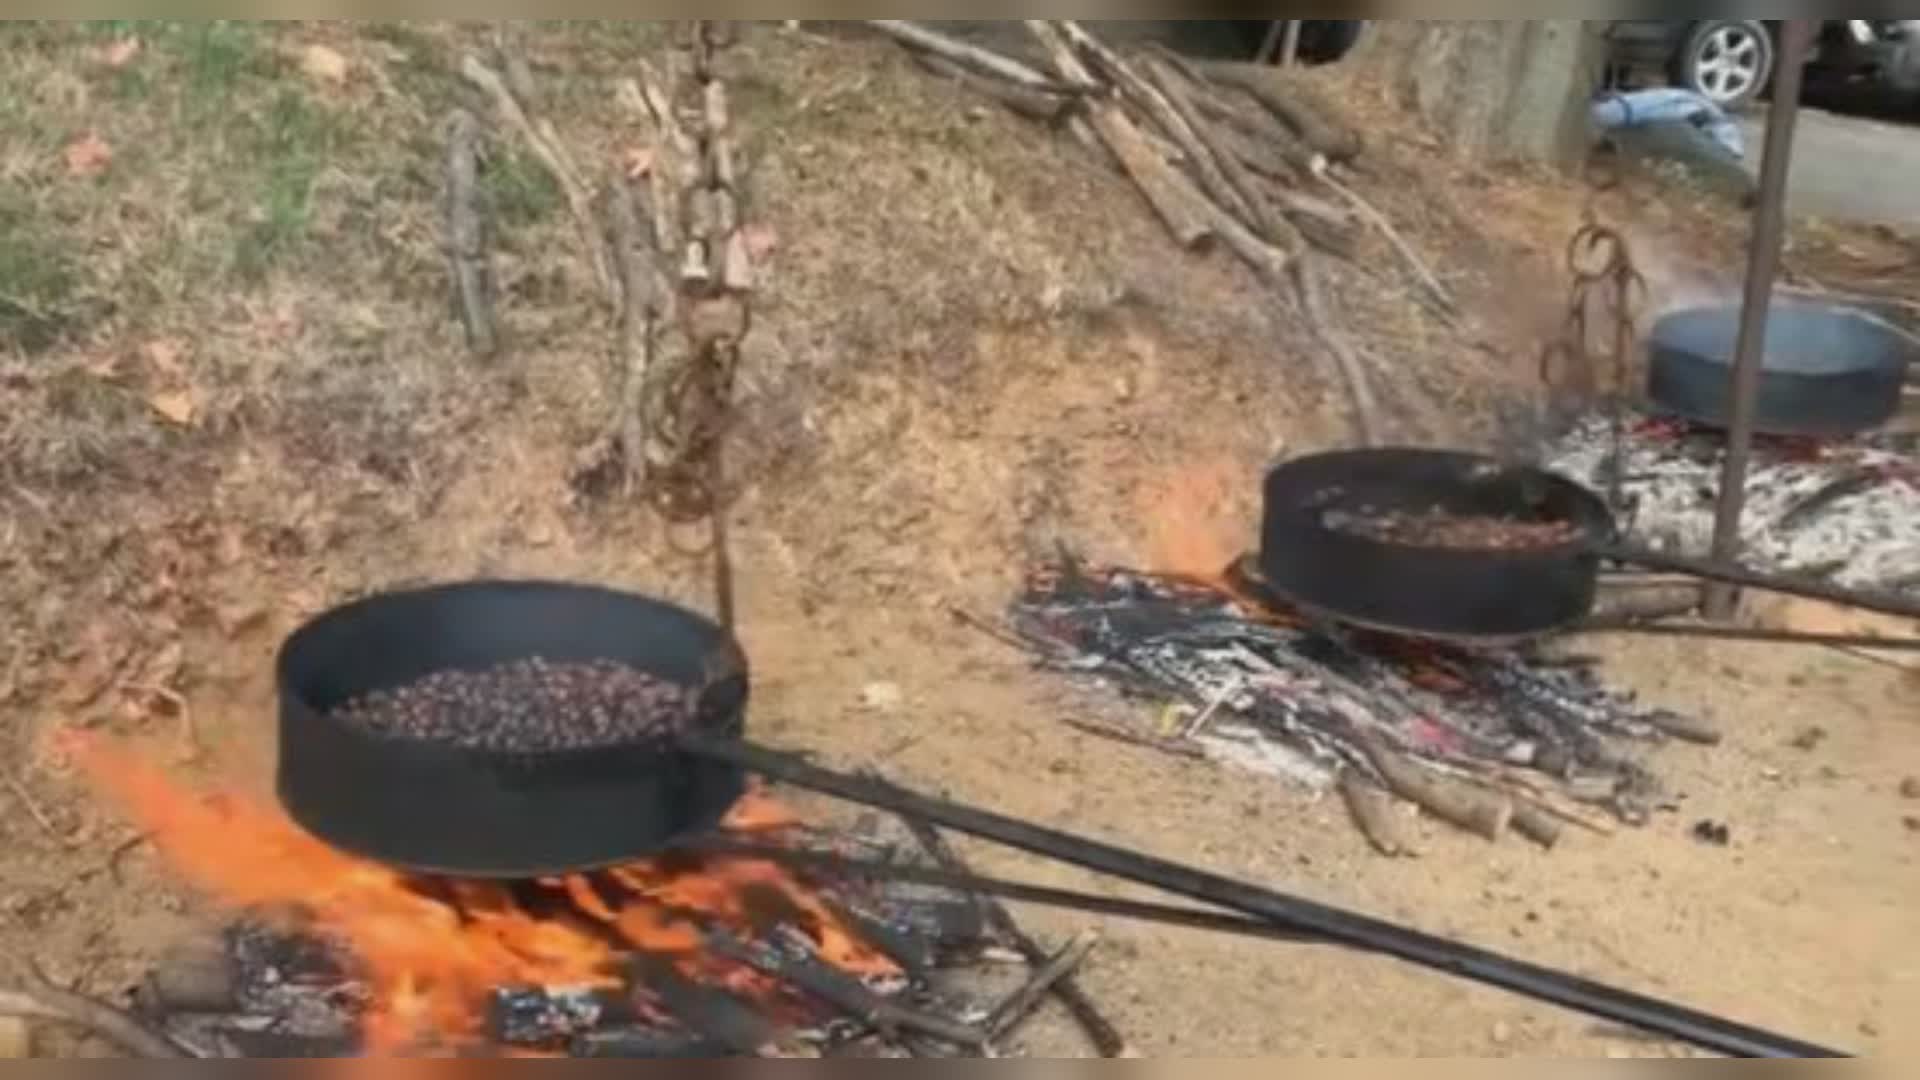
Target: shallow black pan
x=433, y=807
x=1487, y=595
x=439, y=809
x=1828, y=370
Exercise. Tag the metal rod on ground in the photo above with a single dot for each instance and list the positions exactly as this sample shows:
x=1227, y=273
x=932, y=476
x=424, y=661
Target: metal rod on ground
x=1769, y=223
x=1332, y=924
x=1723, y=572
x=1755, y=634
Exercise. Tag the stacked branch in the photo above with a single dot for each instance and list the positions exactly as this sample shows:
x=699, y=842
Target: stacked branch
x=1230, y=155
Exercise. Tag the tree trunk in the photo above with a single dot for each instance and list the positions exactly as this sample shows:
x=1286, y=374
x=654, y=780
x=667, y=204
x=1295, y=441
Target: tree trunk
x=1508, y=90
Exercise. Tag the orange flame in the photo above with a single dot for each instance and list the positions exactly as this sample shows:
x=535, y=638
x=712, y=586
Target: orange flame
x=432, y=962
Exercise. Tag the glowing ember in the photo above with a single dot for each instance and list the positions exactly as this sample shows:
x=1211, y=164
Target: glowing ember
x=432, y=951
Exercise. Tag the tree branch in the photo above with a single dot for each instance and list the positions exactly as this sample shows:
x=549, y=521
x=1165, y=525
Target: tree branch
x=41, y=1000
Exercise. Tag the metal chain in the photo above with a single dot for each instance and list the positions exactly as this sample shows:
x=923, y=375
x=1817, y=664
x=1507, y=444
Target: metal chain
x=692, y=405
x=1603, y=273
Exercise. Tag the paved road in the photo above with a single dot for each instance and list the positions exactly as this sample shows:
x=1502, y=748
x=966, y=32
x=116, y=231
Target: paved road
x=1848, y=167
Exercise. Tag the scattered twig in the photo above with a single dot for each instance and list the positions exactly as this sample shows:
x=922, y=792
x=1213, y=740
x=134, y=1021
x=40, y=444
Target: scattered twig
x=1018, y=1006
x=1372, y=813
x=41, y=1000
x=1366, y=409
x=1179, y=205
x=189, y=730
x=543, y=141
x=1107, y=1040
x=33, y=808
x=1435, y=291
x=799, y=967
x=1145, y=742
x=998, y=633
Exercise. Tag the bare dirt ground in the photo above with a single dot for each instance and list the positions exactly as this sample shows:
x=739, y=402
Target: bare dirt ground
x=230, y=394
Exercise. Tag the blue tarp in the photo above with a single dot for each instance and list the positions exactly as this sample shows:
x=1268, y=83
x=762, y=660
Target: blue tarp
x=1669, y=105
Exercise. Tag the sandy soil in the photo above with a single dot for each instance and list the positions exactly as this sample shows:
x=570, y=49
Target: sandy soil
x=921, y=421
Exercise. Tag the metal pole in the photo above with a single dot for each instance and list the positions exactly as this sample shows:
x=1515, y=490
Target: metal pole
x=1769, y=223
x=1290, y=45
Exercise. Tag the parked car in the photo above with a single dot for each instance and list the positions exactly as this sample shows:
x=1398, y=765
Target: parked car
x=1731, y=62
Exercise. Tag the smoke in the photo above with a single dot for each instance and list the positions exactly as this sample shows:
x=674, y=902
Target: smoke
x=1675, y=283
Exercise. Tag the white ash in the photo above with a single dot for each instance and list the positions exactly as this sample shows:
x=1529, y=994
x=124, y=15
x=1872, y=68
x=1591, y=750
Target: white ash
x=1867, y=537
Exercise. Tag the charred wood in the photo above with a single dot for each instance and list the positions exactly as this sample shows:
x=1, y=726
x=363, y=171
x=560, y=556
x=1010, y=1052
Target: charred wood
x=1106, y=1038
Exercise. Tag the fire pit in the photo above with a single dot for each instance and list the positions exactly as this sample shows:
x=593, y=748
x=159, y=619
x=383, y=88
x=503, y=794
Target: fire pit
x=688, y=955
x=670, y=924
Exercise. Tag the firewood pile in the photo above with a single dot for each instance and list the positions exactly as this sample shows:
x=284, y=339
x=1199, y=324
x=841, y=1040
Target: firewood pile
x=1490, y=741
x=1224, y=154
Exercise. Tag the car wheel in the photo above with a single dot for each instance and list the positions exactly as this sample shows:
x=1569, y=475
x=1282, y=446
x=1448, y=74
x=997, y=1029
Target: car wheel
x=1727, y=61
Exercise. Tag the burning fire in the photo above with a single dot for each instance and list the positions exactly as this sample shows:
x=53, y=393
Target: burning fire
x=432, y=951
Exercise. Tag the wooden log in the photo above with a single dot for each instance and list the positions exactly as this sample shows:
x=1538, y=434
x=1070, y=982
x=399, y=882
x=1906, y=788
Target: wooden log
x=1046, y=106
x=468, y=253
x=1277, y=143
x=985, y=61
x=1173, y=198
x=1206, y=164
x=639, y=315
x=1477, y=811
x=1303, y=110
x=1372, y=813
x=1536, y=824
x=1257, y=210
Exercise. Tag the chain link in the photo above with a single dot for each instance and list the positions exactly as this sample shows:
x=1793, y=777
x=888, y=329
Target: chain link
x=1605, y=281
x=689, y=407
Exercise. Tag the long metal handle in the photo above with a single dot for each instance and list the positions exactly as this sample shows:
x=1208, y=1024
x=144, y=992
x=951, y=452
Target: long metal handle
x=1319, y=920
x=1733, y=574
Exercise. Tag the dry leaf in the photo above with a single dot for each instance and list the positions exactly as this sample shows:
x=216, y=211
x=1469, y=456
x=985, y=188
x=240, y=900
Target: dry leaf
x=639, y=162
x=120, y=53
x=175, y=406
x=89, y=155
x=324, y=64
x=164, y=356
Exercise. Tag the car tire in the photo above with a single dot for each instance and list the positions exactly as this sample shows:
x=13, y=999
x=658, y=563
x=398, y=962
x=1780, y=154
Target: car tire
x=1728, y=61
